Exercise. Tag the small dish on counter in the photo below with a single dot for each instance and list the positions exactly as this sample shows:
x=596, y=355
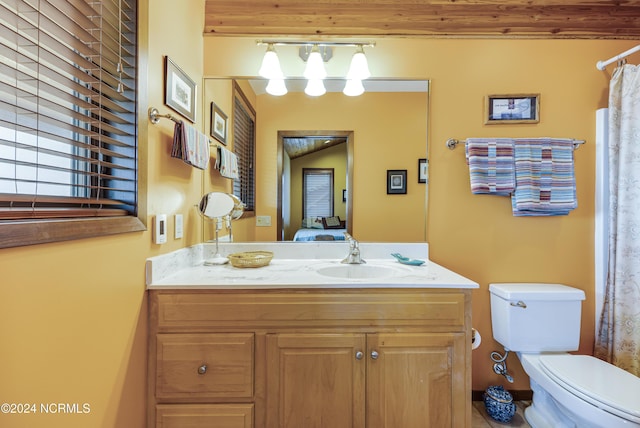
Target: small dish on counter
x=407, y=260
x=250, y=259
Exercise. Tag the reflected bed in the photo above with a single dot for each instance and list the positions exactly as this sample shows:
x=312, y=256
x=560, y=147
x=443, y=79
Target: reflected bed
x=319, y=235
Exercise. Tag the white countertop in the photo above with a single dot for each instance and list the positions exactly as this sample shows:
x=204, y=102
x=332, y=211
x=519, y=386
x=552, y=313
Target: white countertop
x=297, y=265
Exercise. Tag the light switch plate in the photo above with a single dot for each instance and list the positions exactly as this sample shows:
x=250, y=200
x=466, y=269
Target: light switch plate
x=178, y=227
x=160, y=229
x=263, y=220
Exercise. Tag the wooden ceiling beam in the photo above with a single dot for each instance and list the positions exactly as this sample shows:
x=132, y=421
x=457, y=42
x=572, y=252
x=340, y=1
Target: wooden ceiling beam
x=420, y=17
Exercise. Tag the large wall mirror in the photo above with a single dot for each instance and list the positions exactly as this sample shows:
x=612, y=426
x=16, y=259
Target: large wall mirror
x=347, y=146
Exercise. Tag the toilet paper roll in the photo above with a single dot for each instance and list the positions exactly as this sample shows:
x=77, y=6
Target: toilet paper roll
x=475, y=338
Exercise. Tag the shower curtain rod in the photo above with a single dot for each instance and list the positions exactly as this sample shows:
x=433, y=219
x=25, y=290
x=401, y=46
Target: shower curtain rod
x=602, y=64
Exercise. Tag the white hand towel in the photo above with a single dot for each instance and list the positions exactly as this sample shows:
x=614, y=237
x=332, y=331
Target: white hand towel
x=227, y=163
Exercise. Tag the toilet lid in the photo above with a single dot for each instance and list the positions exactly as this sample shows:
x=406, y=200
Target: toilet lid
x=603, y=385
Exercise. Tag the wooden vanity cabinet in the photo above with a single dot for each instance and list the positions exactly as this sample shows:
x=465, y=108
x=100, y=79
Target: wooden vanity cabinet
x=312, y=358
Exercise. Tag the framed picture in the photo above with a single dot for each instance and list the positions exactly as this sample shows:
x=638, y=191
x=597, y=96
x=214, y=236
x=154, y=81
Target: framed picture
x=218, y=124
x=179, y=90
x=396, y=181
x=521, y=108
x=422, y=170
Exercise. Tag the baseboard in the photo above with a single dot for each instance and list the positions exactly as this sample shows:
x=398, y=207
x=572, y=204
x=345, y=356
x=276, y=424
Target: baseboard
x=518, y=395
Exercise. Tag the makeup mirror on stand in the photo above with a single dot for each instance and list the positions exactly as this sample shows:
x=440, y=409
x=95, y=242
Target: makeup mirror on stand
x=220, y=208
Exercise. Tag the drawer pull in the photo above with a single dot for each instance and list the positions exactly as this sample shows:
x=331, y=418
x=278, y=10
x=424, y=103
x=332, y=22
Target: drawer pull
x=374, y=355
x=202, y=369
x=359, y=355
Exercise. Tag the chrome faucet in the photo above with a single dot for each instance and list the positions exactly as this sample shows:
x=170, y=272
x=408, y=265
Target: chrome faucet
x=353, y=258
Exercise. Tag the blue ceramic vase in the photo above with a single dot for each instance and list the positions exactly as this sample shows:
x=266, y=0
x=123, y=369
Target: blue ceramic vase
x=499, y=404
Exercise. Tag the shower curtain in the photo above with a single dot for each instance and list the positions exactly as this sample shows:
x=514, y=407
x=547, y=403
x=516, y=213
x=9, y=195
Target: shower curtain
x=618, y=340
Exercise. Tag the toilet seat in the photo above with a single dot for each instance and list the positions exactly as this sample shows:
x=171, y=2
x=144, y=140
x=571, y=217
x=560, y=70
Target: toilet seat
x=597, y=382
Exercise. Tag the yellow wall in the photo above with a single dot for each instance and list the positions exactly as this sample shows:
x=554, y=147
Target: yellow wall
x=73, y=316
x=75, y=332
x=334, y=157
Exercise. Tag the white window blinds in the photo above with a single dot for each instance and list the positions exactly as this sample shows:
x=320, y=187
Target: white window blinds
x=67, y=108
x=317, y=192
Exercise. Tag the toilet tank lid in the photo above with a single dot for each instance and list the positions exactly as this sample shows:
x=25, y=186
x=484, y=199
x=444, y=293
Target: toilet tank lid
x=536, y=291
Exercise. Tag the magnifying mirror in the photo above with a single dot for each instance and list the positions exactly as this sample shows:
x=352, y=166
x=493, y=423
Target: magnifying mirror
x=219, y=207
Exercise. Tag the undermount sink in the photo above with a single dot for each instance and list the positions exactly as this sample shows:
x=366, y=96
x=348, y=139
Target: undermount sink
x=357, y=271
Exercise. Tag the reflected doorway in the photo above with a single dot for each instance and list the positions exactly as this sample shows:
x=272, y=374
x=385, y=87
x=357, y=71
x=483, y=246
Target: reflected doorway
x=299, y=149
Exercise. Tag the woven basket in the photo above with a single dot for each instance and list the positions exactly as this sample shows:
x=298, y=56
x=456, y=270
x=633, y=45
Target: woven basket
x=250, y=259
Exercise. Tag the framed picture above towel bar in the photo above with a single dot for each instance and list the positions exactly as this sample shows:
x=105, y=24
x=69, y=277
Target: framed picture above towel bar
x=218, y=124
x=180, y=90
x=509, y=109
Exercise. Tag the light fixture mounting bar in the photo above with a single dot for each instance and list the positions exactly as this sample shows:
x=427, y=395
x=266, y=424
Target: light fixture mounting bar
x=312, y=43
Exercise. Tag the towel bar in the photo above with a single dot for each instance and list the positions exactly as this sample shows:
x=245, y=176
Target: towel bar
x=154, y=116
x=452, y=143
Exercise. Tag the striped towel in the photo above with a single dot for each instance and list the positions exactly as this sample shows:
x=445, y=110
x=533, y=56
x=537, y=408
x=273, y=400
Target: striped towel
x=190, y=145
x=491, y=167
x=545, y=180
x=227, y=163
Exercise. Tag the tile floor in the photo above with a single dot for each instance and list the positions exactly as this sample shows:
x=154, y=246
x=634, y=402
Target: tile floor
x=480, y=418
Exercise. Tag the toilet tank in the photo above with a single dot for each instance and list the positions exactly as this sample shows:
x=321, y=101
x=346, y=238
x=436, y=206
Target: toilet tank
x=531, y=317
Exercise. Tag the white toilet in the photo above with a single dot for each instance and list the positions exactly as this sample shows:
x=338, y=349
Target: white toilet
x=541, y=323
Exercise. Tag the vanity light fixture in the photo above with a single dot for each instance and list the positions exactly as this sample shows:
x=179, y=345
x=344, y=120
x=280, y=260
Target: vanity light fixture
x=315, y=88
x=270, y=68
x=276, y=87
x=315, y=54
x=314, y=69
x=353, y=88
x=359, y=68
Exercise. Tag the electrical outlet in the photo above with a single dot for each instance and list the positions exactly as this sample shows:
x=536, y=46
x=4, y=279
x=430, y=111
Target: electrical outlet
x=263, y=220
x=178, y=226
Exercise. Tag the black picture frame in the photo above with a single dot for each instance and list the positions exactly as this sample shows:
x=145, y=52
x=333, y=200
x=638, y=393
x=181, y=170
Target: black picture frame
x=422, y=170
x=179, y=90
x=218, y=124
x=396, y=181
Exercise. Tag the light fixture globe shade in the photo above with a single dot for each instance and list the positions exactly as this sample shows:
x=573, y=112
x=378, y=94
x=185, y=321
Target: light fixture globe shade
x=353, y=88
x=315, y=65
x=276, y=87
x=359, y=68
x=270, y=68
x=315, y=88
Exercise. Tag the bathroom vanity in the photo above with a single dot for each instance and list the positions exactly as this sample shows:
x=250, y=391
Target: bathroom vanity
x=286, y=346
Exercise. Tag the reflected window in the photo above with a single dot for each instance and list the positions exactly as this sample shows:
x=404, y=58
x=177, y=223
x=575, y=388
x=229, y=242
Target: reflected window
x=244, y=142
x=317, y=192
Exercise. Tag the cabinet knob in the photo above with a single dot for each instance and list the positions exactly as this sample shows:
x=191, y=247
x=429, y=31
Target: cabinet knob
x=359, y=355
x=374, y=355
x=202, y=369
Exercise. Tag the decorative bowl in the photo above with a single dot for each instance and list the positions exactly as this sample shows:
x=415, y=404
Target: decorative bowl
x=250, y=259
x=499, y=404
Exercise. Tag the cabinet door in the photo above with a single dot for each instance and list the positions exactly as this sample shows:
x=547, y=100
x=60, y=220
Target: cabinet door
x=315, y=380
x=416, y=380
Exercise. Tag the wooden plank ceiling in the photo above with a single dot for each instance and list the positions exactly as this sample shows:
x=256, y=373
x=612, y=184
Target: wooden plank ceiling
x=503, y=18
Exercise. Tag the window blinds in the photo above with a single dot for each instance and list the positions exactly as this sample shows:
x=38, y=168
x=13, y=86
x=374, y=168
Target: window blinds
x=317, y=192
x=67, y=108
x=244, y=148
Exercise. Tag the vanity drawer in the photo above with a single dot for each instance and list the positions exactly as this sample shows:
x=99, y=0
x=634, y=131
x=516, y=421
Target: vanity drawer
x=204, y=415
x=203, y=367
x=194, y=310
